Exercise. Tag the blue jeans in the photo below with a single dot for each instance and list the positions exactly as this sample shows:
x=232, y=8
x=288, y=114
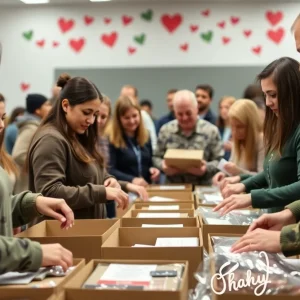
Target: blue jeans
x=111, y=209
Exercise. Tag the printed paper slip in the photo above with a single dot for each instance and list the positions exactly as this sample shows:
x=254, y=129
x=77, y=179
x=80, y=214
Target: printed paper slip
x=172, y=187
x=177, y=242
x=221, y=165
x=161, y=225
x=163, y=207
x=215, y=198
x=158, y=215
x=161, y=199
x=213, y=221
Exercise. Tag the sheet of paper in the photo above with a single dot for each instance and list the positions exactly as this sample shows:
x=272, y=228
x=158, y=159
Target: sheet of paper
x=215, y=198
x=172, y=187
x=128, y=273
x=161, y=199
x=163, y=207
x=141, y=246
x=177, y=242
x=161, y=225
x=221, y=165
x=210, y=189
x=16, y=278
x=158, y=215
x=217, y=221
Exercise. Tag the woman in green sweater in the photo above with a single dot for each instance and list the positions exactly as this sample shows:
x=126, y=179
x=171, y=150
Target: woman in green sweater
x=278, y=185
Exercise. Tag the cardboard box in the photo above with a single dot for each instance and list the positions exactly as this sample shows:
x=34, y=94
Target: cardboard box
x=77, y=238
x=50, y=293
x=184, y=212
x=119, y=246
x=74, y=291
x=137, y=222
x=176, y=195
x=145, y=205
x=183, y=158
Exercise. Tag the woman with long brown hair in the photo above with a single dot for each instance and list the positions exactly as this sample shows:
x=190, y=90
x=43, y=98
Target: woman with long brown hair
x=278, y=185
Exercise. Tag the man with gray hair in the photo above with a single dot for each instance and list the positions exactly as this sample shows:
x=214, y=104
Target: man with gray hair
x=189, y=132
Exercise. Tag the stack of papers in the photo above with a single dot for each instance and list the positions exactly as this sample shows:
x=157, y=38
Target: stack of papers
x=161, y=199
x=213, y=221
x=161, y=225
x=177, y=242
x=158, y=215
x=163, y=207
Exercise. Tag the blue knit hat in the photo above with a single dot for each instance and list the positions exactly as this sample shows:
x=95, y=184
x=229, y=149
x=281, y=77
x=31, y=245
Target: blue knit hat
x=34, y=102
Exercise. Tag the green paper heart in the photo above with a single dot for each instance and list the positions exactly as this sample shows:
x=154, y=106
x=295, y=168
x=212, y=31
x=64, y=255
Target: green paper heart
x=147, y=15
x=207, y=36
x=140, y=39
x=28, y=35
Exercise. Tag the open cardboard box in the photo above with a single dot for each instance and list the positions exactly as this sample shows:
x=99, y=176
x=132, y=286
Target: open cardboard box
x=183, y=158
x=74, y=291
x=77, y=239
x=181, y=205
x=137, y=222
x=119, y=246
x=29, y=292
x=183, y=213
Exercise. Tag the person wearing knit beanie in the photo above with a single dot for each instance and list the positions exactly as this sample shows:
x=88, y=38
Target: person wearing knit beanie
x=36, y=102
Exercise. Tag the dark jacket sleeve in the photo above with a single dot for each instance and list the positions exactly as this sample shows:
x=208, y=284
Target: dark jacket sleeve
x=290, y=240
x=295, y=209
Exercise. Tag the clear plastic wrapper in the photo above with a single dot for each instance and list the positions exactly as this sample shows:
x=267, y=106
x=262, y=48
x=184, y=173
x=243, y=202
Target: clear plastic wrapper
x=252, y=273
x=209, y=195
x=235, y=217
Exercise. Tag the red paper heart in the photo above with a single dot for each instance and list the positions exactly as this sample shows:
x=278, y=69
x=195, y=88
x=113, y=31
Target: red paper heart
x=274, y=17
x=226, y=40
x=107, y=20
x=77, y=44
x=65, y=25
x=276, y=35
x=127, y=20
x=256, y=50
x=221, y=24
x=184, y=47
x=194, y=28
x=40, y=43
x=55, y=44
x=131, y=50
x=109, y=39
x=235, y=20
x=171, y=23
x=205, y=13
x=88, y=20
x=247, y=33
x=24, y=86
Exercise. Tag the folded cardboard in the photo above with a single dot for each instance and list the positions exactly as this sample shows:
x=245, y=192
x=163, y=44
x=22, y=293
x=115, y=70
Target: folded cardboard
x=76, y=239
x=33, y=292
x=119, y=246
x=184, y=213
x=74, y=291
x=183, y=158
x=138, y=222
x=148, y=205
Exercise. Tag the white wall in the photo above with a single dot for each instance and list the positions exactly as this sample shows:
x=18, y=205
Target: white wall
x=25, y=62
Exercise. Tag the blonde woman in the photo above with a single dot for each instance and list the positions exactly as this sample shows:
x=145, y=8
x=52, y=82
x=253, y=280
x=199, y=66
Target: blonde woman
x=130, y=145
x=248, y=151
x=223, y=124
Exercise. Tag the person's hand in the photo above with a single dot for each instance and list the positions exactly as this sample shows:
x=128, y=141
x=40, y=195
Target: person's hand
x=154, y=174
x=232, y=189
x=258, y=240
x=170, y=171
x=117, y=195
x=112, y=182
x=139, y=190
x=56, y=255
x=56, y=209
x=232, y=169
x=198, y=171
x=217, y=179
x=140, y=181
x=227, y=146
x=275, y=221
x=234, y=202
x=229, y=180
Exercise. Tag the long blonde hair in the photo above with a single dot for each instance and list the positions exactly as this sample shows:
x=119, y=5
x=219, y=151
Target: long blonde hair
x=116, y=134
x=246, y=112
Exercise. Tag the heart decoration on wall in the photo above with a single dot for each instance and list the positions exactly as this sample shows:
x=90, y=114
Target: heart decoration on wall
x=184, y=47
x=107, y=20
x=147, y=15
x=247, y=33
x=226, y=40
x=28, y=35
x=126, y=20
x=205, y=13
x=222, y=24
x=41, y=43
x=274, y=17
x=140, y=39
x=256, y=50
x=234, y=20
x=110, y=39
x=24, y=86
x=171, y=22
x=131, y=50
x=88, y=20
x=276, y=35
x=194, y=28
x=65, y=25
x=207, y=36
x=77, y=44
x=55, y=44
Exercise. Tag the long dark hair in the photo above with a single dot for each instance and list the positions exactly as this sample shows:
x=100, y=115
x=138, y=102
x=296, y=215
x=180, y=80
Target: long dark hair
x=77, y=90
x=15, y=113
x=286, y=77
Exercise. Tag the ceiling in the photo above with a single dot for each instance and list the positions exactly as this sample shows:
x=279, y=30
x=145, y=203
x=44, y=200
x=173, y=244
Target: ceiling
x=62, y=2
